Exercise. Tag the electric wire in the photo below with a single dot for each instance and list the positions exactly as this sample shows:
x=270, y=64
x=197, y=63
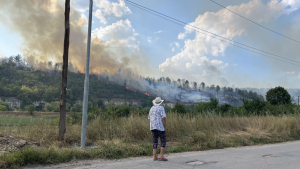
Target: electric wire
x=255, y=22
x=215, y=35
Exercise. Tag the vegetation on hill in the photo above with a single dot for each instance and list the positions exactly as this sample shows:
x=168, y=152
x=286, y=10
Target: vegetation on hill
x=18, y=79
x=29, y=85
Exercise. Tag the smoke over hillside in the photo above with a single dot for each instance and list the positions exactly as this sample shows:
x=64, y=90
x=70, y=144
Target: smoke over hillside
x=40, y=23
x=180, y=90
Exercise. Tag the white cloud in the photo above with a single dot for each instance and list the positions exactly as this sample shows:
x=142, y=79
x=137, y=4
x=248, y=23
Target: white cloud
x=176, y=44
x=101, y=16
x=119, y=33
x=291, y=73
x=110, y=8
x=158, y=31
x=194, y=57
x=151, y=39
x=181, y=35
x=291, y=5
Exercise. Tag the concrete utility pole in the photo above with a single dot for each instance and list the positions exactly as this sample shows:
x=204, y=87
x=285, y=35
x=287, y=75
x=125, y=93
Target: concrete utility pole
x=86, y=82
x=298, y=100
x=64, y=77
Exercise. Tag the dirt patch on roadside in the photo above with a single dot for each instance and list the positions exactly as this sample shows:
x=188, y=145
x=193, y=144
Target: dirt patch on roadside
x=8, y=144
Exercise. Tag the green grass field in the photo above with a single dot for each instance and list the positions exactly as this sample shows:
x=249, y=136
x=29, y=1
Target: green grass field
x=25, y=121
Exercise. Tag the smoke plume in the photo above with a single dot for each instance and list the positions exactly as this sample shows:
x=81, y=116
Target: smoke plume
x=40, y=23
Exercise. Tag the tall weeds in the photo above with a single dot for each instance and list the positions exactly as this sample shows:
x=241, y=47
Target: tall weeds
x=180, y=128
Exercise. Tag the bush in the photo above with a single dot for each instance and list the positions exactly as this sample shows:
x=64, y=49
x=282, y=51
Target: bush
x=53, y=107
x=30, y=108
x=2, y=108
x=76, y=108
x=5, y=104
x=224, y=108
x=100, y=104
x=281, y=109
x=179, y=108
x=278, y=95
x=75, y=117
x=115, y=111
x=207, y=106
x=93, y=112
x=256, y=105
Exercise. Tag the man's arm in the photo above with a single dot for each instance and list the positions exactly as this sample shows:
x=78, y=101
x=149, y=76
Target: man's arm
x=164, y=122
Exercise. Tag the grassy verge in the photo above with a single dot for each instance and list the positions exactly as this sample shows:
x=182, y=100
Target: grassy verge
x=130, y=136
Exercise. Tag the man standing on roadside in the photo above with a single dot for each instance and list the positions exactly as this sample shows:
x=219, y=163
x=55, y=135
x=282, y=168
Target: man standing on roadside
x=157, y=118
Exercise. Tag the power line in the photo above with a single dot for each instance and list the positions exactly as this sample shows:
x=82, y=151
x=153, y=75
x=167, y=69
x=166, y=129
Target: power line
x=181, y=23
x=256, y=23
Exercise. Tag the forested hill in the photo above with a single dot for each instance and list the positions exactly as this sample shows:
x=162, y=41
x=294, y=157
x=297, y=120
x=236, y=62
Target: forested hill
x=29, y=85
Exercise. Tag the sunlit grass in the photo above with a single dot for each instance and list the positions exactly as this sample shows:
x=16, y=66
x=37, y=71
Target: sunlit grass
x=184, y=133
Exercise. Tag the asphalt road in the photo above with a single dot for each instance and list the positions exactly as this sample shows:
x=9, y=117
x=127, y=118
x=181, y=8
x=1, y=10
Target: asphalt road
x=274, y=156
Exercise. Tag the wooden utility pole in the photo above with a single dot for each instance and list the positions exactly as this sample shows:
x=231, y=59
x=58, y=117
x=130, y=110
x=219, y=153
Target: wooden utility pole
x=298, y=100
x=62, y=120
x=125, y=92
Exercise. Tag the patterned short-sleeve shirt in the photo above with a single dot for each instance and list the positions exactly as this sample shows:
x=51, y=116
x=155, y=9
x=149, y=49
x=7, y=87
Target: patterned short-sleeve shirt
x=155, y=116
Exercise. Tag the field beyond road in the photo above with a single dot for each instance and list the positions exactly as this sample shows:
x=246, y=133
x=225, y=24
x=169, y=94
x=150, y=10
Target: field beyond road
x=121, y=137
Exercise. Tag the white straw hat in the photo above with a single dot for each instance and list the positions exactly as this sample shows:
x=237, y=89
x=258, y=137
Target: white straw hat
x=157, y=101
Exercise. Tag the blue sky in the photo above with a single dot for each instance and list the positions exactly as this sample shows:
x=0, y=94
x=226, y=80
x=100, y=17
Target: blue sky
x=157, y=47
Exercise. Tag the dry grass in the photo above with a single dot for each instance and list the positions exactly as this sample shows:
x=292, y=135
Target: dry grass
x=182, y=129
x=130, y=136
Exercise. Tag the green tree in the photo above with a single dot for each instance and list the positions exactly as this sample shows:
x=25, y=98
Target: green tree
x=100, y=104
x=255, y=105
x=2, y=108
x=53, y=107
x=224, y=108
x=179, y=108
x=278, y=95
x=5, y=104
x=30, y=108
x=76, y=108
x=207, y=106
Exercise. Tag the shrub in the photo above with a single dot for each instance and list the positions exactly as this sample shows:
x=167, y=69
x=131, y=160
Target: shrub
x=5, y=104
x=256, y=105
x=76, y=108
x=30, y=108
x=281, y=109
x=278, y=95
x=207, y=106
x=93, y=112
x=179, y=108
x=224, y=108
x=2, y=108
x=115, y=111
x=75, y=117
x=100, y=104
x=53, y=107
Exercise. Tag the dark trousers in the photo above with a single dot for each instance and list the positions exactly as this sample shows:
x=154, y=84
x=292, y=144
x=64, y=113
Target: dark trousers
x=161, y=135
